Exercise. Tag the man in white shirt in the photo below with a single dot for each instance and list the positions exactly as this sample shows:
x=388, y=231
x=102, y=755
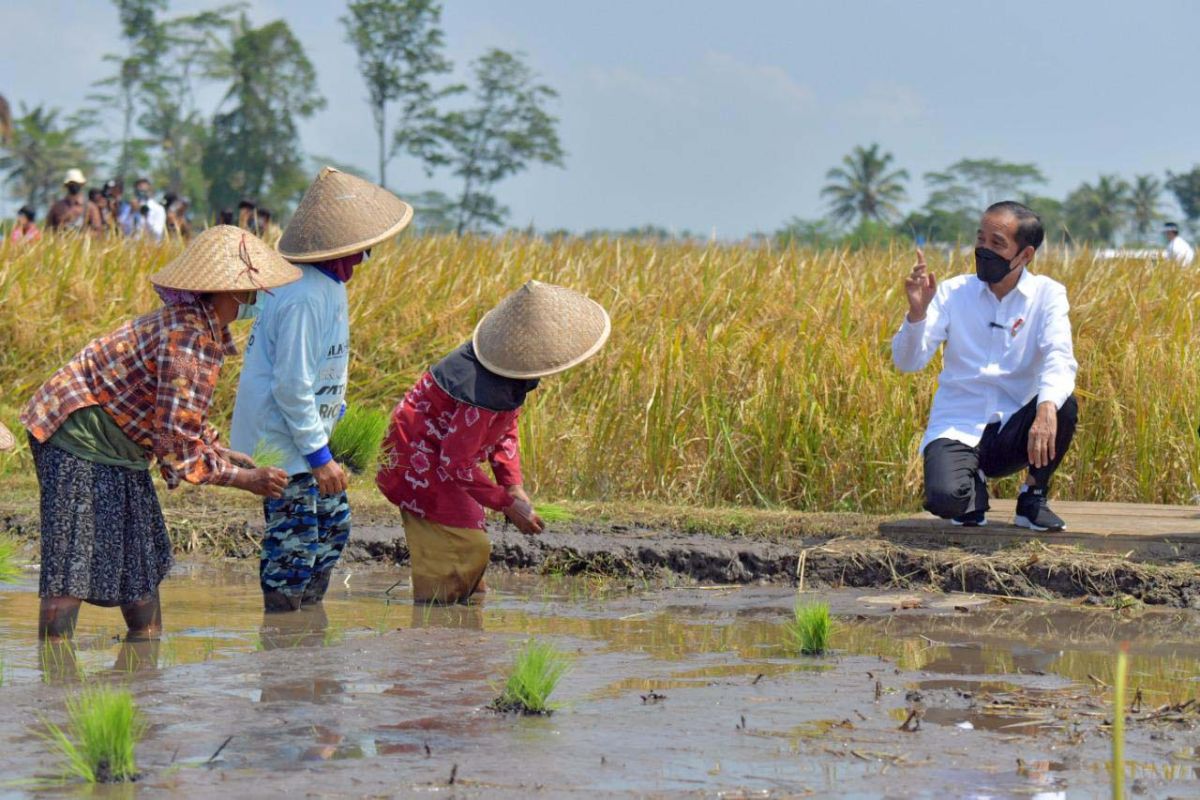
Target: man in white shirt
x=149, y=217
x=1005, y=400
x=1178, y=250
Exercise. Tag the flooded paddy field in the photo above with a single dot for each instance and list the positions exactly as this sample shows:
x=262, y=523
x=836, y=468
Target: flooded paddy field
x=674, y=691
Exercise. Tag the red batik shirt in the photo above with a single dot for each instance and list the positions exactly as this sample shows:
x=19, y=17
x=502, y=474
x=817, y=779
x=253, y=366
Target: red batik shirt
x=155, y=376
x=433, y=454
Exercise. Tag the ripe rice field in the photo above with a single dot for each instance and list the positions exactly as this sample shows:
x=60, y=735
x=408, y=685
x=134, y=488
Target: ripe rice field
x=736, y=374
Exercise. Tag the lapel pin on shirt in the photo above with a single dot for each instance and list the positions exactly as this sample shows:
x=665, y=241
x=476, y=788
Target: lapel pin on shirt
x=1017, y=325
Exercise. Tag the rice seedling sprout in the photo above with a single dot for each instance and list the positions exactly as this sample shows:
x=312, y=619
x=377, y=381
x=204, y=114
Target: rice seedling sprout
x=9, y=571
x=536, y=670
x=551, y=512
x=103, y=729
x=1118, y=725
x=809, y=628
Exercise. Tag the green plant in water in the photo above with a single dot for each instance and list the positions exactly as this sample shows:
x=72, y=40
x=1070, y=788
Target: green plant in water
x=536, y=671
x=267, y=455
x=1118, y=726
x=549, y=512
x=9, y=571
x=809, y=628
x=358, y=437
x=104, y=727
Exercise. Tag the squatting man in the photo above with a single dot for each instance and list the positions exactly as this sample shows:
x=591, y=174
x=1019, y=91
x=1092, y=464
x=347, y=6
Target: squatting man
x=1005, y=399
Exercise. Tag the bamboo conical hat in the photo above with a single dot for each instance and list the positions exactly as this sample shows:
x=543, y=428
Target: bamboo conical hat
x=226, y=259
x=340, y=215
x=539, y=330
x=7, y=442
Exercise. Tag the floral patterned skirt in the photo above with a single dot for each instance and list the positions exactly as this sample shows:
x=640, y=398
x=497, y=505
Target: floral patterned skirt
x=104, y=539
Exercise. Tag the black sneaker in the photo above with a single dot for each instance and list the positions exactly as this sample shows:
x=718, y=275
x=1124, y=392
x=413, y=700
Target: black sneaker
x=972, y=519
x=1034, y=513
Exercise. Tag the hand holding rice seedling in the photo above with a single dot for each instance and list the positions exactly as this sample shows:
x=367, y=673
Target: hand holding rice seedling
x=536, y=671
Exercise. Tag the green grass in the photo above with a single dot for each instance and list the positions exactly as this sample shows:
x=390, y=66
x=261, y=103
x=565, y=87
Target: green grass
x=104, y=727
x=267, y=455
x=9, y=571
x=358, y=437
x=550, y=512
x=536, y=671
x=809, y=628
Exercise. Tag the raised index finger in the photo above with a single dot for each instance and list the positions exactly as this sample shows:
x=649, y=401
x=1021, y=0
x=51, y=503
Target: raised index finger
x=920, y=257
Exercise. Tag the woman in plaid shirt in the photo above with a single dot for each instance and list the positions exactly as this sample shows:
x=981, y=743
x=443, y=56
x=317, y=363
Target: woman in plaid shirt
x=137, y=395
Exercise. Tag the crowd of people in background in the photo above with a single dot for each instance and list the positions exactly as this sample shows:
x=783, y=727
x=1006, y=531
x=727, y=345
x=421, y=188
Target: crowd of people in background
x=106, y=211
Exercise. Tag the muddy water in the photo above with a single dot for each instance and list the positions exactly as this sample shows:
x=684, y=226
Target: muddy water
x=373, y=697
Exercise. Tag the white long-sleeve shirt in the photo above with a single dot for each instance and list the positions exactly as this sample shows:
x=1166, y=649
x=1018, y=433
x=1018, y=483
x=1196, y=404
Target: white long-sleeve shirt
x=1180, y=251
x=152, y=224
x=999, y=355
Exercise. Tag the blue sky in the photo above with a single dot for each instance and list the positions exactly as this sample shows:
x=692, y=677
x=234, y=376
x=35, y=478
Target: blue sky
x=723, y=118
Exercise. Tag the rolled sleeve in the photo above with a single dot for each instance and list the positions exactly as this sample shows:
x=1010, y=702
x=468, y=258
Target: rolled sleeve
x=915, y=343
x=505, y=458
x=296, y=356
x=461, y=449
x=1056, y=378
x=188, y=365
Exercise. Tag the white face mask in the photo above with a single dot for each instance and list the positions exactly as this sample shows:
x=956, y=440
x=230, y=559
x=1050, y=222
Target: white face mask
x=248, y=311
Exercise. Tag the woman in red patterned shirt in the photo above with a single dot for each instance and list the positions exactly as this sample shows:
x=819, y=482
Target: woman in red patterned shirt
x=463, y=412
x=141, y=394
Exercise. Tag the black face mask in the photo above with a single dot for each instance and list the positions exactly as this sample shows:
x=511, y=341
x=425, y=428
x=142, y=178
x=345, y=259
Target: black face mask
x=990, y=266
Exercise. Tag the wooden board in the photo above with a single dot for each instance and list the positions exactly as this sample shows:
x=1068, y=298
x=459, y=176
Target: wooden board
x=1149, y=531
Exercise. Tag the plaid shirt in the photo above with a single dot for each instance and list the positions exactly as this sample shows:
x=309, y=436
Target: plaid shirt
x=155, y=376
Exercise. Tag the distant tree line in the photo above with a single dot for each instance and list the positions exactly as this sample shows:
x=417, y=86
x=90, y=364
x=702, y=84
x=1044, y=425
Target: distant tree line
x=142, y=118
x=865, y=193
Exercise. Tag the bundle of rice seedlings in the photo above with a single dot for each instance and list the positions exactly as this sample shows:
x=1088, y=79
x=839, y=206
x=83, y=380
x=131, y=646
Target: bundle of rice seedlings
x=104, y=727
x=358, y=437
x=809, y=628
x=267, y=455
x=536, y=671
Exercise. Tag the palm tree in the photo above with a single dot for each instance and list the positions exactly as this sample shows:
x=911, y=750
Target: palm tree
x=1144, y=210
x=41, y=150
x=863, y=189
x=1096, y=213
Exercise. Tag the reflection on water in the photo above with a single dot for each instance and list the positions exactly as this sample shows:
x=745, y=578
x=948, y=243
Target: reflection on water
x=212, y=611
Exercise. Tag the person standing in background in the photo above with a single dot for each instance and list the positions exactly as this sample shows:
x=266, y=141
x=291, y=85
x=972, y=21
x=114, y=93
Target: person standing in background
x=150, y=218
x=1178, y=250
x=25, y=232
x=120, y=213
x=69, y=212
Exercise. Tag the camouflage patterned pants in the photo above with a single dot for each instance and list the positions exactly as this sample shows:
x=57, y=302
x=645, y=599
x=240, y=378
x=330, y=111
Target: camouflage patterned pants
x=306, y=532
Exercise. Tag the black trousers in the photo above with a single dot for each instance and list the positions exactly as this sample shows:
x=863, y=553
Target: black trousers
x=953, y=485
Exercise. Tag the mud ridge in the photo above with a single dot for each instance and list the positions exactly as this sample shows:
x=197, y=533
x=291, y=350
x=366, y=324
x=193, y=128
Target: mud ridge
x=1030, y=571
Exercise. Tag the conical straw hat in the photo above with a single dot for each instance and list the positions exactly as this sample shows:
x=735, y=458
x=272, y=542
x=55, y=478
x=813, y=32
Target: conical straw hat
x=7, y=442
x=539, y=330
x=226, y=259
x=341, y=215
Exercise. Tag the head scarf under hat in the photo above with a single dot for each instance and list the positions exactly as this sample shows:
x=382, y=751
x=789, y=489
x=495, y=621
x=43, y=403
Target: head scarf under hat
x=462, y=377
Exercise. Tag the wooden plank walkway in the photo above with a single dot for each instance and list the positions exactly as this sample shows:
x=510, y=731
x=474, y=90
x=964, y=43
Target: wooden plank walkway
x=1145, y=531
